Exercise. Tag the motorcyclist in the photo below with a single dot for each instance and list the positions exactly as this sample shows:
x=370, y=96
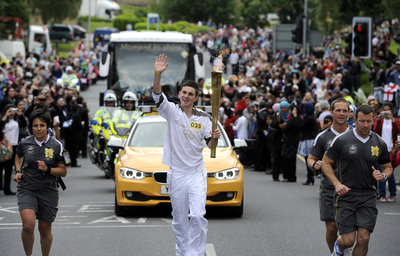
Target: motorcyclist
x=121, y=123
x=105, y=113
x=125, y=117
x=69, y=80
x=99, y=133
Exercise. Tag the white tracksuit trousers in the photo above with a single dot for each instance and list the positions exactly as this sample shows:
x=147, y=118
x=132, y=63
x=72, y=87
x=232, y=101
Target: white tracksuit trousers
x=188, y=192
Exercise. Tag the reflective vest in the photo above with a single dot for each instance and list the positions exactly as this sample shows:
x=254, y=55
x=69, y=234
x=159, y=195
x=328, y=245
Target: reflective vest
x=123, y=120
x=70, y=81
x=103, y=115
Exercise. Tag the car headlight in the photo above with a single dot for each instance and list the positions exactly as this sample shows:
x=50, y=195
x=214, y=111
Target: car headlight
x=228, y=174
x=131, y=173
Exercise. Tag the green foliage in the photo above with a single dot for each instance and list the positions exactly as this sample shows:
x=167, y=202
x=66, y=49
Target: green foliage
x=121, y=21
x=62, y=47
x=85, y=19
x=141, y=12
x=252, y=9
x=15, y=8
x=55, y=11
x=181, y=26
x=222, y=11
x=365, y=84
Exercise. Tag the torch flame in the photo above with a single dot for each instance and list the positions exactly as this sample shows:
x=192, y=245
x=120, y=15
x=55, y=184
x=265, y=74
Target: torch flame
x=218, y=65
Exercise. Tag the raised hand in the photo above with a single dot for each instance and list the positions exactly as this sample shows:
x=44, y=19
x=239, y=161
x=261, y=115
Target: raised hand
x=161, y=63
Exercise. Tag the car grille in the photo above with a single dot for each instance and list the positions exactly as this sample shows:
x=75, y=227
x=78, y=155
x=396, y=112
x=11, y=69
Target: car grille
x=160, y=177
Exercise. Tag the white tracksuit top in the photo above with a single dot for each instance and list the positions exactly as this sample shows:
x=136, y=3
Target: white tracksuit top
x=183, y=144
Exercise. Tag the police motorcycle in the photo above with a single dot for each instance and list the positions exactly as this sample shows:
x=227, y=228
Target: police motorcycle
x=99, y=133
x=69, y=80
x=119, y=128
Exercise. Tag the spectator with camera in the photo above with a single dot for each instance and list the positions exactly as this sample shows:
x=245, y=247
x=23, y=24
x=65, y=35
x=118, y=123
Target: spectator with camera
x=10, y=130
x=388, y=128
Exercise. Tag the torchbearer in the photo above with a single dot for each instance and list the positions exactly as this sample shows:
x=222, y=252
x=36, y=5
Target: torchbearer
x=183, y=147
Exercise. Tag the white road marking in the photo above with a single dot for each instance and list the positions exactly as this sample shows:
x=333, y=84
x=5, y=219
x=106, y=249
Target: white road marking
x=110, y=219
x=95, y=208
x=392, y=213
x=66, y=223
x=169, y=221
x=8, y=209
x=210, y=250
x=76, y=226
x=80, y=216
x=10, y=224
x=141, y=220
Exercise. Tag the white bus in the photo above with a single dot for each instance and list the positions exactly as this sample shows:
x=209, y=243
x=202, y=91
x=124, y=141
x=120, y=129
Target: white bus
x=129, y=62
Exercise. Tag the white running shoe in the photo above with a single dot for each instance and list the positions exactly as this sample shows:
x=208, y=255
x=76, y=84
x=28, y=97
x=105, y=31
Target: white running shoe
x=348, y=252
x=336, y=250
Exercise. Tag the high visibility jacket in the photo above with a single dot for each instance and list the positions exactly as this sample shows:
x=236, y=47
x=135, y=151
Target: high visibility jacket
x=103, y=115
x=123, y=120
x=70, y=81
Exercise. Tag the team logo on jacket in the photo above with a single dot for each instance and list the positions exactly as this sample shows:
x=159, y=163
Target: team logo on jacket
x=353, y=149
x=374, y=150
x=48, y=153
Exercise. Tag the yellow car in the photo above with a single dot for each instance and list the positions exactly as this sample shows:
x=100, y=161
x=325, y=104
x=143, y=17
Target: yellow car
x=140, y=177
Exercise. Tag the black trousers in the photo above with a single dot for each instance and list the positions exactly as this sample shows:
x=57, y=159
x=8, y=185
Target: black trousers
x=276, y=163
x=7, y=167
x=289, y=153
x=310, y=172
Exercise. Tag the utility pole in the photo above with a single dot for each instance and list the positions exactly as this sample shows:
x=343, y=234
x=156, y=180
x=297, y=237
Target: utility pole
x=305, y=26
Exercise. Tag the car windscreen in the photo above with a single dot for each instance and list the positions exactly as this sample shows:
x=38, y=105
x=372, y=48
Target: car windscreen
x=153, y=134
x=135, y=64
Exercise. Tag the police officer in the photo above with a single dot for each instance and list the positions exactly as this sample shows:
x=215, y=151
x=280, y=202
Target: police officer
x=105, y=113
x=39, y=162
x=70, y=80
x=126, y=116
x=100, y=122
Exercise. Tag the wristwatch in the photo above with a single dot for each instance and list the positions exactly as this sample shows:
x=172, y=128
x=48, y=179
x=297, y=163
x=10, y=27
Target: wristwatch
x=18, y=171
x=384, y=177
x=313, y=166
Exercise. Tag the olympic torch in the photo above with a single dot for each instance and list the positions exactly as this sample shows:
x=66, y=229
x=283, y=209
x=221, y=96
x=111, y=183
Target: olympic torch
x=216, y=75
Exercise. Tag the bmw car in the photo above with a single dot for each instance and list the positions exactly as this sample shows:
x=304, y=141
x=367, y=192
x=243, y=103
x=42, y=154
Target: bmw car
x=140, y=177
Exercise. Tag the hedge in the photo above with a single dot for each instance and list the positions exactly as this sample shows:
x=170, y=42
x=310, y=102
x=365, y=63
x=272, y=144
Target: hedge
x=121, y=21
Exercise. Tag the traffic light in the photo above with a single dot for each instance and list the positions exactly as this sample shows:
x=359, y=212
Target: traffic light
x=361, y=46
x=297, y=32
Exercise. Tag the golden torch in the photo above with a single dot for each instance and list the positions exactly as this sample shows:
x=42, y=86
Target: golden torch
x=216, y=75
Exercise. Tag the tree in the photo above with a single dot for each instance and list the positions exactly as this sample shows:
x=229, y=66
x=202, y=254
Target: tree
x=15, y=8
x=288, y=10
x=222, y=11
x=55, y=11
x=253, y=10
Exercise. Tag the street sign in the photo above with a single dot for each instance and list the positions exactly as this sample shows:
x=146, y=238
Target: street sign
x=153, y=18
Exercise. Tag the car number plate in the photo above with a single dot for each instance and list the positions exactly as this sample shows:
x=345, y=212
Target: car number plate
x=164, y=190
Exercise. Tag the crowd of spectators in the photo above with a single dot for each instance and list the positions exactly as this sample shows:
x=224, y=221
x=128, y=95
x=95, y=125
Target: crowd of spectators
x=285, y=98
x=34, y=82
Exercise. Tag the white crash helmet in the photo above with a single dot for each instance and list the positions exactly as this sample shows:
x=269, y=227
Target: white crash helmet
x=129, y=96
x=110, y=97
x=68, y=68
